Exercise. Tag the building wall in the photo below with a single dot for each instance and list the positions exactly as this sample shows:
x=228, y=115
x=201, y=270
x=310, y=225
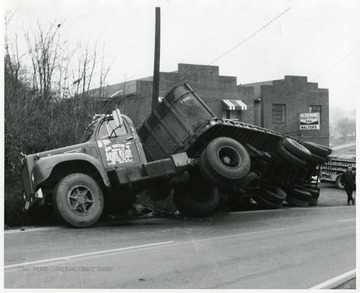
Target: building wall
x=297, y=94
x=211, y=87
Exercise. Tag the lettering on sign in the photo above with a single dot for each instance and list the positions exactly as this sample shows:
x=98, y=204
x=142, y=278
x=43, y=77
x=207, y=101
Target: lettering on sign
x=310, y=121
x=118, y=153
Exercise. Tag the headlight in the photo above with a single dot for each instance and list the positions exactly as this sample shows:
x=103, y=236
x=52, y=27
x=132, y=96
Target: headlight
x=32, y=178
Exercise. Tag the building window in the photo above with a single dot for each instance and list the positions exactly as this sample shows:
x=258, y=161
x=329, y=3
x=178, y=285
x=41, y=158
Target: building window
x=278, y=113
x=316, y=109
x=232, y=114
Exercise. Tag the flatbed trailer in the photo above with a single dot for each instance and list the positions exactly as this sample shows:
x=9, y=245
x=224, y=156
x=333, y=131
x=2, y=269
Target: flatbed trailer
x=332, y=170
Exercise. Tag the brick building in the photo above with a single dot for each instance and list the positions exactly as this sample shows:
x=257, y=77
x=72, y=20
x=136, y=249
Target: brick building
x=278, y=105
x=274, y=104
x=221, y=93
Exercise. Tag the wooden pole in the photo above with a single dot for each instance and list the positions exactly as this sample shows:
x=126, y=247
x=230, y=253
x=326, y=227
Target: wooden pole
x=156, y=76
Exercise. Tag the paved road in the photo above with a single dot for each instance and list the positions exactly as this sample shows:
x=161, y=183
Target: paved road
x=286, y=248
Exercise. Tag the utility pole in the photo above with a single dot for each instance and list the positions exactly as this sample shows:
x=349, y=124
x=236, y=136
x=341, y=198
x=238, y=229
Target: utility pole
x=156, y=76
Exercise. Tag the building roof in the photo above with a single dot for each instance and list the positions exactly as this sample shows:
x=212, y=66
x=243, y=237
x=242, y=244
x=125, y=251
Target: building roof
x=122, y=89
x=257, y=87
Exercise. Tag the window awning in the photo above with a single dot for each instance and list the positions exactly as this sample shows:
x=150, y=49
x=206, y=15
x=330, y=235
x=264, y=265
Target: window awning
x=233, y=105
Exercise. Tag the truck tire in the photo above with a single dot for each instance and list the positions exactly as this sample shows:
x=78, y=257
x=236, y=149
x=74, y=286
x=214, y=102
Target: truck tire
x=338, y=183
x=315, y=191
x=290, y=158
x=224, y=161
x=78, y=200
x=300, y=194
x=296, y=149
x=313, y=202
x=265, y=203
x=316, y=159
x=317, y=149
x=196, y=201
x=296, y=202
x=273, y=194
x=251, y=178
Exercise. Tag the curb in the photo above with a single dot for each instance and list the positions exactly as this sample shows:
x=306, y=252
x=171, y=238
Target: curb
x=337, y=281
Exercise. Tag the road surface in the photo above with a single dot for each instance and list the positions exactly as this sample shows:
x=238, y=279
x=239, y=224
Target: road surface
x=287, y=248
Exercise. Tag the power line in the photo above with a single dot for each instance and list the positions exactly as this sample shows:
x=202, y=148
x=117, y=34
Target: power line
x=235, y=47
x=301, y=87
x=248, y=38
x=334, y=65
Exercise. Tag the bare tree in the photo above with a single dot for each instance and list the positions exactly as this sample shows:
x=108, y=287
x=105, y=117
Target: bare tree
x=346, y=127
x=85, y=70
x=104, y=70
x=44, y=46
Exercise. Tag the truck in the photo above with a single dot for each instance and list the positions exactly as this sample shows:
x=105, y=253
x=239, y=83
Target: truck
x=332, y=170
x=182, y=150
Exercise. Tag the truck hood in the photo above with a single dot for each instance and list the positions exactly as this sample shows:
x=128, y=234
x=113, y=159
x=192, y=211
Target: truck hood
x=78, y=148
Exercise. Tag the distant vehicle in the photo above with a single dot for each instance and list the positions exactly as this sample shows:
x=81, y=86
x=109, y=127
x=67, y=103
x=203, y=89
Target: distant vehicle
x=332, y=170
x=181, y=150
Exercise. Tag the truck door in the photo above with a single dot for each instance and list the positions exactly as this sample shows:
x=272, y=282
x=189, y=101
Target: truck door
x=116, y=145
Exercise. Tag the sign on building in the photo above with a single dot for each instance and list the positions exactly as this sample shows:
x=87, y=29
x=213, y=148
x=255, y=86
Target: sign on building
x=310, y=121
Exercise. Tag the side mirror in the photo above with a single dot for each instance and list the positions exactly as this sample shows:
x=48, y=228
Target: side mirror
x=117, y=118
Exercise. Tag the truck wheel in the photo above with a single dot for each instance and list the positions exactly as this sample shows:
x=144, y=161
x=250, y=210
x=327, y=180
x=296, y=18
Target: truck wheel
x=313, y=202
x=300, y=194
x=265, y=203
x=338, y=182
x=224, y=160
x=316, y=159
x=275, y=195
x=290, y=158
x=317, y=149
x=251, y=178
x=315, y=191
x=297, y=202
x=78, y=200
x=196, y=202
x=296, y=149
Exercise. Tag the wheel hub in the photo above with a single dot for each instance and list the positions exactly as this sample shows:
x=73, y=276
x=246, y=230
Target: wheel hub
x=229, y=157
x=80, y=200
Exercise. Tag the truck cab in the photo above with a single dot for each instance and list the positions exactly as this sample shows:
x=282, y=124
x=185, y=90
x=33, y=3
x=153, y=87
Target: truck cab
x=110, y=141
x=108, y=165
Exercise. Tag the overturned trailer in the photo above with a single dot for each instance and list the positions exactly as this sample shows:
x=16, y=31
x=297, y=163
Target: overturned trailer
x=181, y=149
x=233, y=157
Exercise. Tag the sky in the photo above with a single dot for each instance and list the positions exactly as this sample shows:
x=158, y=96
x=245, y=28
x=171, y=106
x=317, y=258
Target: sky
x=252, y=40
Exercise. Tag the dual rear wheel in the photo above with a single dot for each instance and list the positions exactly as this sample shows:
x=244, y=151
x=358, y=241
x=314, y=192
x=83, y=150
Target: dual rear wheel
x=223, y=163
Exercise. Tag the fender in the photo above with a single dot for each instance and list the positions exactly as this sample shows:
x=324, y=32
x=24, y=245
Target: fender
x=45, y=165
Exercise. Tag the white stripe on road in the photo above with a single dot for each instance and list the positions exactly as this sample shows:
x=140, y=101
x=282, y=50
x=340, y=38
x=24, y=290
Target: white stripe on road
x=347, y=220
x=337, y=281
x=67, y=258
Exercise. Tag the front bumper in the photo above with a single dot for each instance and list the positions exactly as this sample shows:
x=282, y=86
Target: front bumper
x=29, y=200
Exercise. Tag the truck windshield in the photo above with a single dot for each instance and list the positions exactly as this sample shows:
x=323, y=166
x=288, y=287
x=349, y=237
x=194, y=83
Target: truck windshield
x=109, y=129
